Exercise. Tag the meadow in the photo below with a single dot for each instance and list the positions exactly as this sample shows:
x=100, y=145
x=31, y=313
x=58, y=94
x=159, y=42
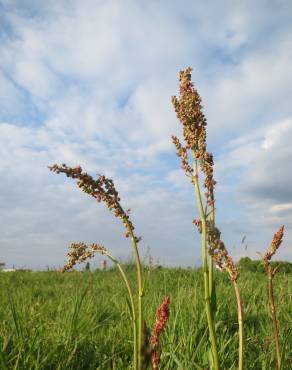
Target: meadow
x=80, y=320
x=132, y=317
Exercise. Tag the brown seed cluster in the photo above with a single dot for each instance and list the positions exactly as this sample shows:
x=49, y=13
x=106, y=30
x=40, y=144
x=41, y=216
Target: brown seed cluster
x=182, y=153
x=102, y=189
x=189, y=111
x=275, y=244
x=80, y=252
x=162, y=316
x=198, y=223
x=207, y=166
x=220, y=254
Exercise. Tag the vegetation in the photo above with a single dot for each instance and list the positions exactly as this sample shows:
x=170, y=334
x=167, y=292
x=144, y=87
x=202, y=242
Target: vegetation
x=79, y=320
x=247, y=264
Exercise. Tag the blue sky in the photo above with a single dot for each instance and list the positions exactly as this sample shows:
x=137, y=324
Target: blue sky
x=90, y=83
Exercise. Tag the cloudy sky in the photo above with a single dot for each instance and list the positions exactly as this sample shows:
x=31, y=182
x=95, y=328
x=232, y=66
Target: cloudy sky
x=90, y=82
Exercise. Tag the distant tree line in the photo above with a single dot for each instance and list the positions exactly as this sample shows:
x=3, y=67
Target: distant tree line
x=247, y=264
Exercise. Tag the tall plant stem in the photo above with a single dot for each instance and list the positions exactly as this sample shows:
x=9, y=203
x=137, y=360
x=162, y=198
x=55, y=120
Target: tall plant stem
x=211, y=276
x=274, y=316
x=240, y=325
x=211, y=262
x=140, y=293
x=209, y=315
x=132, y=302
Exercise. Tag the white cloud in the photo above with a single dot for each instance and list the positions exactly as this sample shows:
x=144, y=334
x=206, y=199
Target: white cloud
x=276, y=208
x=260, y=163
x=258, y=87
x=90, y=83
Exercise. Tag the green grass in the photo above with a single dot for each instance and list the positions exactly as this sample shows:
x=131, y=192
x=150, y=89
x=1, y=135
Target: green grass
x=79, y=320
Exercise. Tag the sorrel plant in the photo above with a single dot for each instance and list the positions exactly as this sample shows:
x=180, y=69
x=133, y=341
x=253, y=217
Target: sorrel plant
x=195, y=160
x=103, y=189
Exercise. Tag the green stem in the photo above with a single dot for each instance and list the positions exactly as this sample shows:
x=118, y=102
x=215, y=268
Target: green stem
x=274, y=316
x=134, y=319
x=211, y=276
x=140, y=293
x=240, y=325
x=211, y=262
x=211, y=325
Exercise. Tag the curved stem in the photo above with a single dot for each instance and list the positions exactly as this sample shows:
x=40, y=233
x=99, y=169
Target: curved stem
x=134, y=319
x=211, y=262
x=140, y=292
x=211, y=325
x=240, y=325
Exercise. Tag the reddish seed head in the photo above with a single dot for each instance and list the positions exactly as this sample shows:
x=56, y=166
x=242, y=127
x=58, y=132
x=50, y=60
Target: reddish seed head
x=189, y=111
x=162, y=316
x=102, y=189
x=275, y=244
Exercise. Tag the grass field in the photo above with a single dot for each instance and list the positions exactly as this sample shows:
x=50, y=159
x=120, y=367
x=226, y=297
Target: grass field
x=80, y=320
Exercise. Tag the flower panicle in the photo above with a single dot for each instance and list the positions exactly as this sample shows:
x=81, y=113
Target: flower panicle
x=162, y=316
x=274, y=246
x=189, y=111
x=220, y=254
x=207, y=166
x=102, y=189
x=182, y=153
x=80, y=252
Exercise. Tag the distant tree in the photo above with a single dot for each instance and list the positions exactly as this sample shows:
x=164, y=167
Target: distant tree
x=2, y=264
x=247, y=264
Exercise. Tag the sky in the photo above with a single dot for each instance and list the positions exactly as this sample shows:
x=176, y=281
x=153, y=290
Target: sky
x=90, y=83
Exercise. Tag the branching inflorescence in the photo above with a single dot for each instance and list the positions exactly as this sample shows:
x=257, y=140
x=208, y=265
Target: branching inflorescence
x=188, y=109
x=103, y=190
x=80, y=252
x=220, y=254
